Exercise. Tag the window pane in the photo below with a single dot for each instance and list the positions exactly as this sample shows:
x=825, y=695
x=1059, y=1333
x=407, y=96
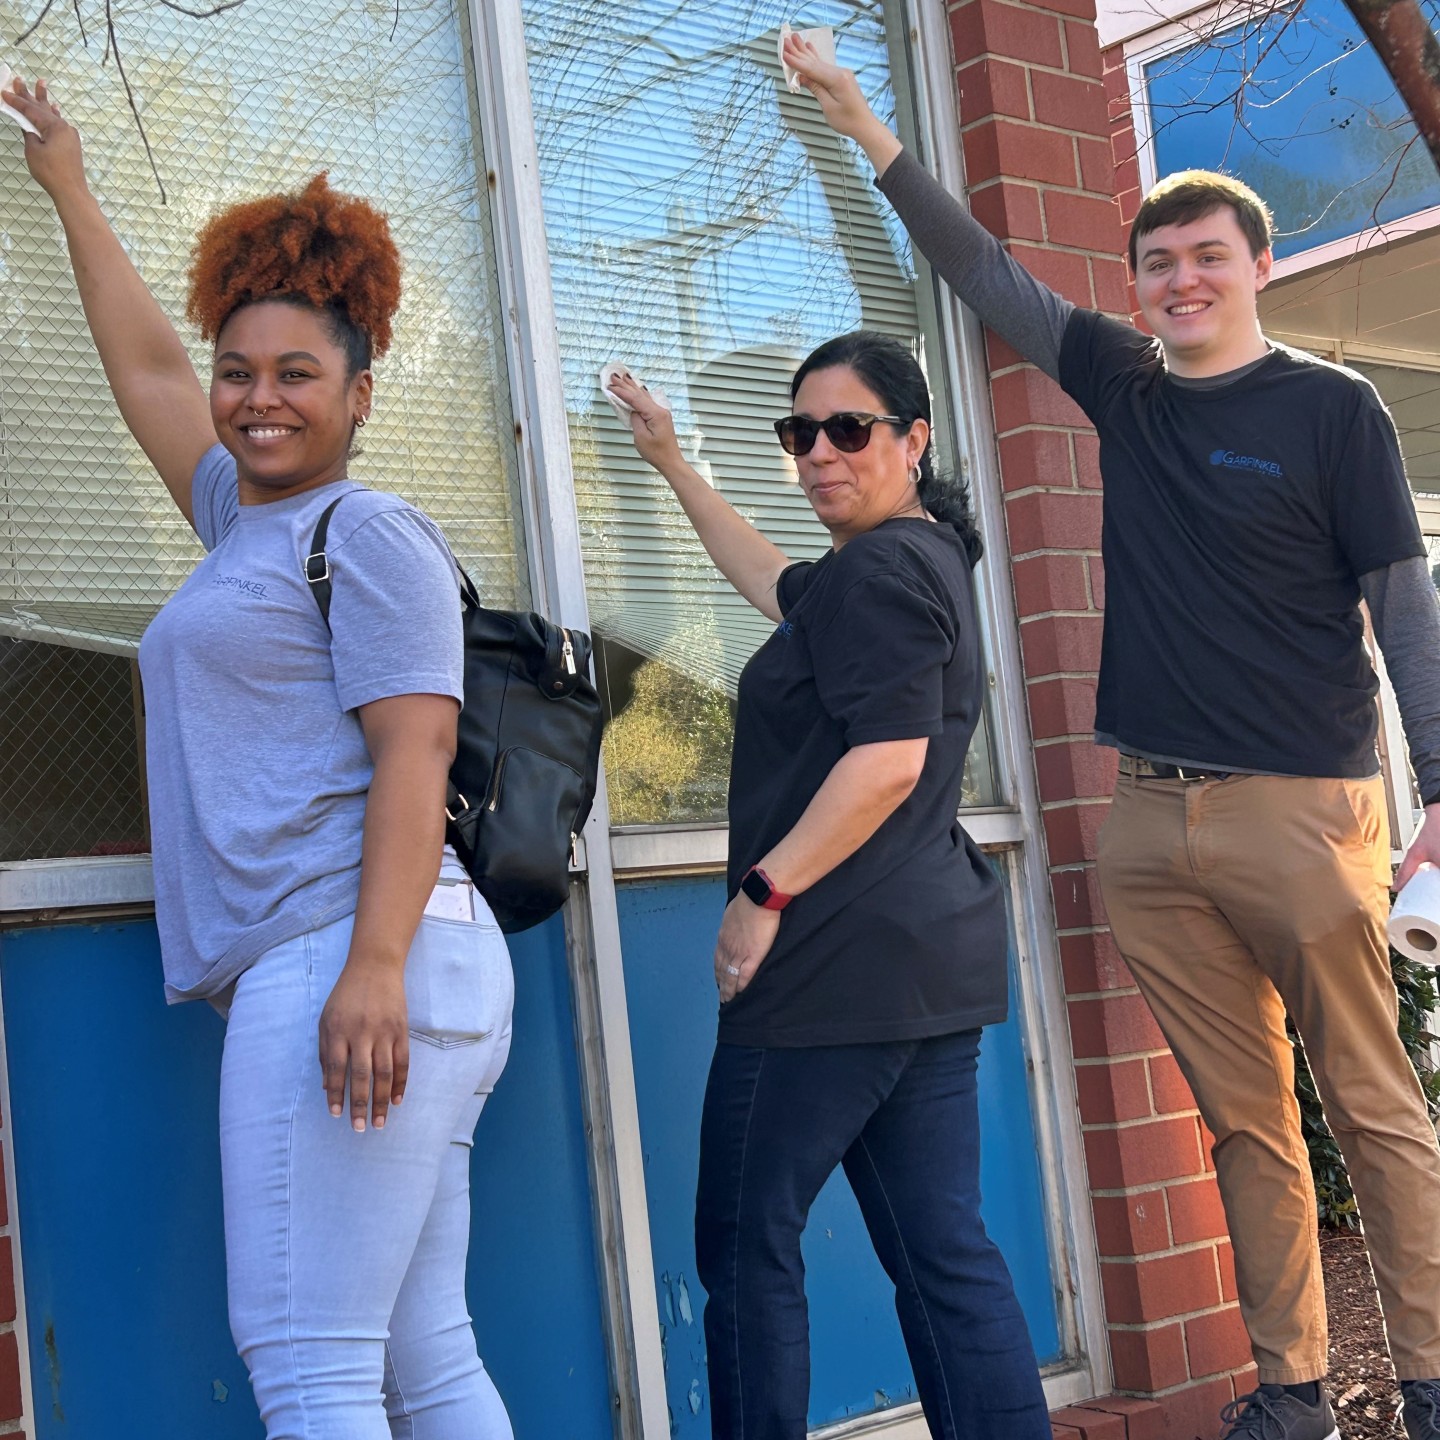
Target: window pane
x=706, y=227
x=90, y=545
x=1299, y=106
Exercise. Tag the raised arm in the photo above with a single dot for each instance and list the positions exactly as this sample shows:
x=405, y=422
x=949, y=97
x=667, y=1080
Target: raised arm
x=150, y=374
x=740, y=552
x=1027, y=314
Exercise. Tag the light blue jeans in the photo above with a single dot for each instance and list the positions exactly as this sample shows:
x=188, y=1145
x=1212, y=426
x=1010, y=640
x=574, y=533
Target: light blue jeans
x=346, y=1252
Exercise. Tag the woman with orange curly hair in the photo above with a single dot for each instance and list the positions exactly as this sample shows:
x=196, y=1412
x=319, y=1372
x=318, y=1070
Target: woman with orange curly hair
x=297, y=780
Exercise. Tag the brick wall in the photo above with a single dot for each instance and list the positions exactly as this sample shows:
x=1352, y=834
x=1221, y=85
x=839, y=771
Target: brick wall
x=1043, y=175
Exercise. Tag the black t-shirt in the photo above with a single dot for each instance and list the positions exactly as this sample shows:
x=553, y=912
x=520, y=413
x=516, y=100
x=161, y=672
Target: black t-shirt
x=1237, y=520
x=907, y=937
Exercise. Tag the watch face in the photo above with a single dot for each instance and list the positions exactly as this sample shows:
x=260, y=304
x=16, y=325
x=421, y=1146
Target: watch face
x=755, y=888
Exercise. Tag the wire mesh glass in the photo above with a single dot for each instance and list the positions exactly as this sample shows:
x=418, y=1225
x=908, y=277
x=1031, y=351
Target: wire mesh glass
x=708, y=228
x=254, y=99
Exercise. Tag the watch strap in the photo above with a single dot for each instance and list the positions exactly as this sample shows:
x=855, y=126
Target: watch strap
x=757, y=886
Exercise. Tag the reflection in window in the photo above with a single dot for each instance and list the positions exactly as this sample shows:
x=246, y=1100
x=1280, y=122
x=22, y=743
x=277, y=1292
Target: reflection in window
x=707, y=227
x=1298, y=105
x=90, y=544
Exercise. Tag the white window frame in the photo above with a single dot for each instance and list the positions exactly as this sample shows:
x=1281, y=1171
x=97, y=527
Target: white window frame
x=59, y=890
x=1181, y=33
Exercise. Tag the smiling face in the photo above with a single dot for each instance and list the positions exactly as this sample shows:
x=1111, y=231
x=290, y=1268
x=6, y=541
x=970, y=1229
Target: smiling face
x=282, y=400
x=854, y=493
x=1198, y=285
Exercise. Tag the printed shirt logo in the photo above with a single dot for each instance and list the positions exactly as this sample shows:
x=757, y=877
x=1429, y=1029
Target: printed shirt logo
x=1233, y=460
x=243, y=586
x=785, y=628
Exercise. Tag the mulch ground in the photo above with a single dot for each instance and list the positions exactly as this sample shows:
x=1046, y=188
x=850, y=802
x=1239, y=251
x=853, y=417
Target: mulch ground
x=1362, y=1380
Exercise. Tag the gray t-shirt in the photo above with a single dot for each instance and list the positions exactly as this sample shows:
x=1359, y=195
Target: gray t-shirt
x=258, y=769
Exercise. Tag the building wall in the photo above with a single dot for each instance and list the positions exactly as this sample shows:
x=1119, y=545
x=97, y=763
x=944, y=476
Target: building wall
x=1048, y=175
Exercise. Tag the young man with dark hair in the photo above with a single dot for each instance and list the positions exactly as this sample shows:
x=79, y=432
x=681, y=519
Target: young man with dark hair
x=1253, y=496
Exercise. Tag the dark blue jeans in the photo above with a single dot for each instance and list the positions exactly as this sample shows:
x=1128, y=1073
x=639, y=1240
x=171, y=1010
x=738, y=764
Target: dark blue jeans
x=903, y=1120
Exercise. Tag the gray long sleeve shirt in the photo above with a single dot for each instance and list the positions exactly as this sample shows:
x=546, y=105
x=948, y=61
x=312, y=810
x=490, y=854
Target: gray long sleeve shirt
x=1032, y=318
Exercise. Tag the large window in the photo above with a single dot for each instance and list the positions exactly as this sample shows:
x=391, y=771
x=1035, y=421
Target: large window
x=708, y=228
x=1298, y=104
x=257, y=98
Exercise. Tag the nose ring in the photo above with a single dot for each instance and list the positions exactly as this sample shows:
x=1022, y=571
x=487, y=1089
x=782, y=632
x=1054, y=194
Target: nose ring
x=261, y=413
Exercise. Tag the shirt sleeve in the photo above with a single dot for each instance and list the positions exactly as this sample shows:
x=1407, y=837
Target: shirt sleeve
x=1406, y=616
x=214, y=496
x=395, y=612
x=1097, y=357
x=792, y=583
x=1372, y=509
x=879, y=660
x=975, y=265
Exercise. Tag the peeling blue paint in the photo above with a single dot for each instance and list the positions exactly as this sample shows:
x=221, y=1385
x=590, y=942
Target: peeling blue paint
x=686, y=1313
x=694, y=1397
x=220, y=1391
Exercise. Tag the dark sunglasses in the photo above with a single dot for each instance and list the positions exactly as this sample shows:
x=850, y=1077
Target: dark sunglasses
x=848, y=431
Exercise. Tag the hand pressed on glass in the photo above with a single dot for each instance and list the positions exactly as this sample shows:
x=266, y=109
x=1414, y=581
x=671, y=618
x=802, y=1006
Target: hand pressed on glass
x=651, y=422
x=746, y=935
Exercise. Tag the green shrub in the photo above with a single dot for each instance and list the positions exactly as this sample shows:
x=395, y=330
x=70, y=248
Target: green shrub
x=1418, y=1001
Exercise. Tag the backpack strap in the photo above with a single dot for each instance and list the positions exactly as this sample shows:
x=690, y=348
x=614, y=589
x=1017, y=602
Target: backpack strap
x=316, y=569
x=316, y=565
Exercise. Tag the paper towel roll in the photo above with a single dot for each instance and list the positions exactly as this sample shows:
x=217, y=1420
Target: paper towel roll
x=1414, y=927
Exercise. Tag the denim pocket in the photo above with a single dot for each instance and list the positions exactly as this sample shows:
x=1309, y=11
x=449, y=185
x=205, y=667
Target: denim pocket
x=453, y=981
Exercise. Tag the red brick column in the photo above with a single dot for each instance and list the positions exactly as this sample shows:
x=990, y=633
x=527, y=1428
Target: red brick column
x=1042, y=176
x=11, y=1408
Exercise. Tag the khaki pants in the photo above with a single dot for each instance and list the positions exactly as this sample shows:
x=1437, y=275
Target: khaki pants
x=1233, y=901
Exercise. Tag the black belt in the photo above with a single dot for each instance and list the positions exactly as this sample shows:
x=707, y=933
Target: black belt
x=1162, y=770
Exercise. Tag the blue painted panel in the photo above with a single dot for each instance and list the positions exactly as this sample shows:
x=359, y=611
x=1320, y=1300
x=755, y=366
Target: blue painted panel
x=858, y=1357
x=534, y=1281
x=1321, y=132
x=114, y=1098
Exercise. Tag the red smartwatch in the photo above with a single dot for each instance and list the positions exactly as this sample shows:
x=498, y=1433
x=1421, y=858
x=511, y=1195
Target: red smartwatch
x=759, y=887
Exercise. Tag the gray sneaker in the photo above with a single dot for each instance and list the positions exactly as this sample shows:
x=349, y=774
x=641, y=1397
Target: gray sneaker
x=1421, y=1410
x=1272, y=1413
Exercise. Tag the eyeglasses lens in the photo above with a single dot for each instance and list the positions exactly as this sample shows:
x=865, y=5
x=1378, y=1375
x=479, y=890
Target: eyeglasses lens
x=846, y=432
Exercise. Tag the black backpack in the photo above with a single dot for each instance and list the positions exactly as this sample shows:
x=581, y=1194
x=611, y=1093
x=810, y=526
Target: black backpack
x=528, y=751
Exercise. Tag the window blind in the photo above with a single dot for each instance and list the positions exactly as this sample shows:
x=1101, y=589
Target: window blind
x=90, y=544
x=253, y=100
x=708, y=228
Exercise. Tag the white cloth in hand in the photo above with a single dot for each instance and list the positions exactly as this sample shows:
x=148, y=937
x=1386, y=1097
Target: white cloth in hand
x=608, y=372
x=6, y=76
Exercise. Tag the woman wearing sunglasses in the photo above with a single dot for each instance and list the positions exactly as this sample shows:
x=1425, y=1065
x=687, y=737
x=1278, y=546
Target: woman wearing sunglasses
x=864, y=944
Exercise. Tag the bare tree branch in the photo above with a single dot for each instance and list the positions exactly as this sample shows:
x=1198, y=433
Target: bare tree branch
x=1407, y=46
x=35, y=24
x=202, y=14
x=80, y=23
x=112, y=43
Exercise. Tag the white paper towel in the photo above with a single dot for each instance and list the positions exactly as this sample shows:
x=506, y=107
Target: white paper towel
x=1415, y=918
x=608, y=372
x=9, y=111
x=822, y=37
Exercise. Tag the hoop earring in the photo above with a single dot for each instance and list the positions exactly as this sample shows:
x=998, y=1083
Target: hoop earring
x=360, y=421
x=915, y=476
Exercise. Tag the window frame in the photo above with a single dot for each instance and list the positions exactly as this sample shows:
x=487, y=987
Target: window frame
x=1190, y=29
x=54, y=891
x=614, y=855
